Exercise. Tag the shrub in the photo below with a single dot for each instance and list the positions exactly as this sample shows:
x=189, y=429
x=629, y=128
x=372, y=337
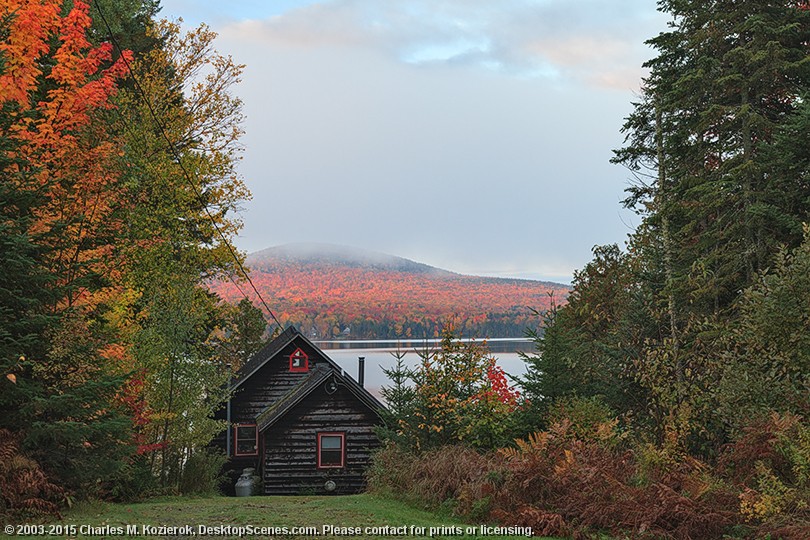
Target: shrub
x=202, y=473
x=429, y=479
x=391, y=471
x=582, y=478
x=134, y=482
x=561, y=485
x=769, y=464
x=587, y=418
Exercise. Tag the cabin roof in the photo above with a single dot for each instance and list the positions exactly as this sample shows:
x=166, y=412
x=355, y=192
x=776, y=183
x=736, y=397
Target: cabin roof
x=266, y=353
x=317, y=376
x=278, y=409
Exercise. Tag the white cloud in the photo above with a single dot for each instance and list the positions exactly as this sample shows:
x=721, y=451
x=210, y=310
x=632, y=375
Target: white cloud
x=474, y=135
x=589, y=41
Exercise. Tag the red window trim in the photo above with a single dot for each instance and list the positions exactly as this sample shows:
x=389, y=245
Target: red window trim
x=236, y=440
x=342, y=436
x=305, y=367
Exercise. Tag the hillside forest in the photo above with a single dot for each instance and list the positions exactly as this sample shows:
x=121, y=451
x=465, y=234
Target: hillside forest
x=667, y=398
x=328, y=298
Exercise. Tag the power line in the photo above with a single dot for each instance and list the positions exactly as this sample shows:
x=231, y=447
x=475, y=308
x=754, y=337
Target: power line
x=186, y=174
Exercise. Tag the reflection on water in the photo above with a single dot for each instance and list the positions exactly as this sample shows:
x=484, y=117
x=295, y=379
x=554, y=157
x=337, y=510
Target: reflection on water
x=377, y=354
x=495, y=345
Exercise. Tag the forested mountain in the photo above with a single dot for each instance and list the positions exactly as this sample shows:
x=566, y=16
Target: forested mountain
x=324, y=289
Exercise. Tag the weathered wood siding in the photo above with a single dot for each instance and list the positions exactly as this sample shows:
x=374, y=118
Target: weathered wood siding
x=290, y=446
x=269, y=384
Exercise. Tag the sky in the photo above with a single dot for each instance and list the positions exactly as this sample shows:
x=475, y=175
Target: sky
x=471, y=135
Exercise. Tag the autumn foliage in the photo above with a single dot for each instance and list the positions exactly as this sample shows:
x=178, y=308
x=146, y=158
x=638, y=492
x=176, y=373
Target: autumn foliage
x=323, y=299
x=99, y=249
x=25, y=490
x=61, y=151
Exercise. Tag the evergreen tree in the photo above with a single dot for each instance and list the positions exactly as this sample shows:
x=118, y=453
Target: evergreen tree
x=400, y=399
x=588, y=347
x=727, y=77
x=717, y=147
x=25, y=289
x=716, y=195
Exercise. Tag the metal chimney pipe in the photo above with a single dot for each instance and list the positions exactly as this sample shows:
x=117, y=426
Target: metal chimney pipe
x=228, y=412
x=361, y=370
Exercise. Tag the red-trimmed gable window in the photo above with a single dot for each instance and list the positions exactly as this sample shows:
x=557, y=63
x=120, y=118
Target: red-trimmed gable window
x=299, y=361
x=331, y=450
x=246, y=440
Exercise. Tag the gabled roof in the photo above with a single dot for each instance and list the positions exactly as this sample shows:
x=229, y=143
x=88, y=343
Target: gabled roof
x=276, y=410
x=317, y=376
x=272, y=349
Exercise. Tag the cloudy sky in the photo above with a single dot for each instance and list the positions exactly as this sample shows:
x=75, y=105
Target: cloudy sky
x=473, y=135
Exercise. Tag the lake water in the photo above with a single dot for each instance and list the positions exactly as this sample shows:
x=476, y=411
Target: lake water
x=378, y=356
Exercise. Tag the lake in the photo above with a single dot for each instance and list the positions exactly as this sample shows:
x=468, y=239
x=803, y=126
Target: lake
x=378, y=356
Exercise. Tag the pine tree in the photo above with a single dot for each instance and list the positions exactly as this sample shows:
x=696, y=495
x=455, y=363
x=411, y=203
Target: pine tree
x=717, y=147
x=727, y=77
x=25, y=289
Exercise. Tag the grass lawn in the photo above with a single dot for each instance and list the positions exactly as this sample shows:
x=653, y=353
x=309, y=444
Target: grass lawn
x=350, y=515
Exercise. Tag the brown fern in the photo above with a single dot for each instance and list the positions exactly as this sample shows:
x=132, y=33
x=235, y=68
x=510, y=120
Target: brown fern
x=25, y=490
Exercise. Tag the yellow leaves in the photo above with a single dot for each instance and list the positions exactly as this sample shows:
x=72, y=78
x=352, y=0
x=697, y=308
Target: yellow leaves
x=569, y=456
x=537, y=441
x=561, y=467
x=755, y=506
x=212, y=117
x=607, y=430
x=160, y=416
x=771, y=498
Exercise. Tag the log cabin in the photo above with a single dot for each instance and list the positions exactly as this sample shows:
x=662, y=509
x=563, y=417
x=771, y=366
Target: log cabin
x=303, y=424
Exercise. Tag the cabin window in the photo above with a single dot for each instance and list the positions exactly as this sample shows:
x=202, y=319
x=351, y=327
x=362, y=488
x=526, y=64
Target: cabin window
x=299, y=361
x=246, y=440
x=331, y=450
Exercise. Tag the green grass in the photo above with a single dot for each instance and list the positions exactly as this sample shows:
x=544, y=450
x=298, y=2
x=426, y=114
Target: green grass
x=356, y=511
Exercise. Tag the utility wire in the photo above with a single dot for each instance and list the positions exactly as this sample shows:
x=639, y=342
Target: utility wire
x=186, y=174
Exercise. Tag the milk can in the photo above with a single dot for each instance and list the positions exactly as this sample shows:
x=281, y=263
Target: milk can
x=244, y=486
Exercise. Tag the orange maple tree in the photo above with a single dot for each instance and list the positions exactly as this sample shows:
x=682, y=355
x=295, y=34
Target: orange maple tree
x=54, y=84
x=58, y=94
